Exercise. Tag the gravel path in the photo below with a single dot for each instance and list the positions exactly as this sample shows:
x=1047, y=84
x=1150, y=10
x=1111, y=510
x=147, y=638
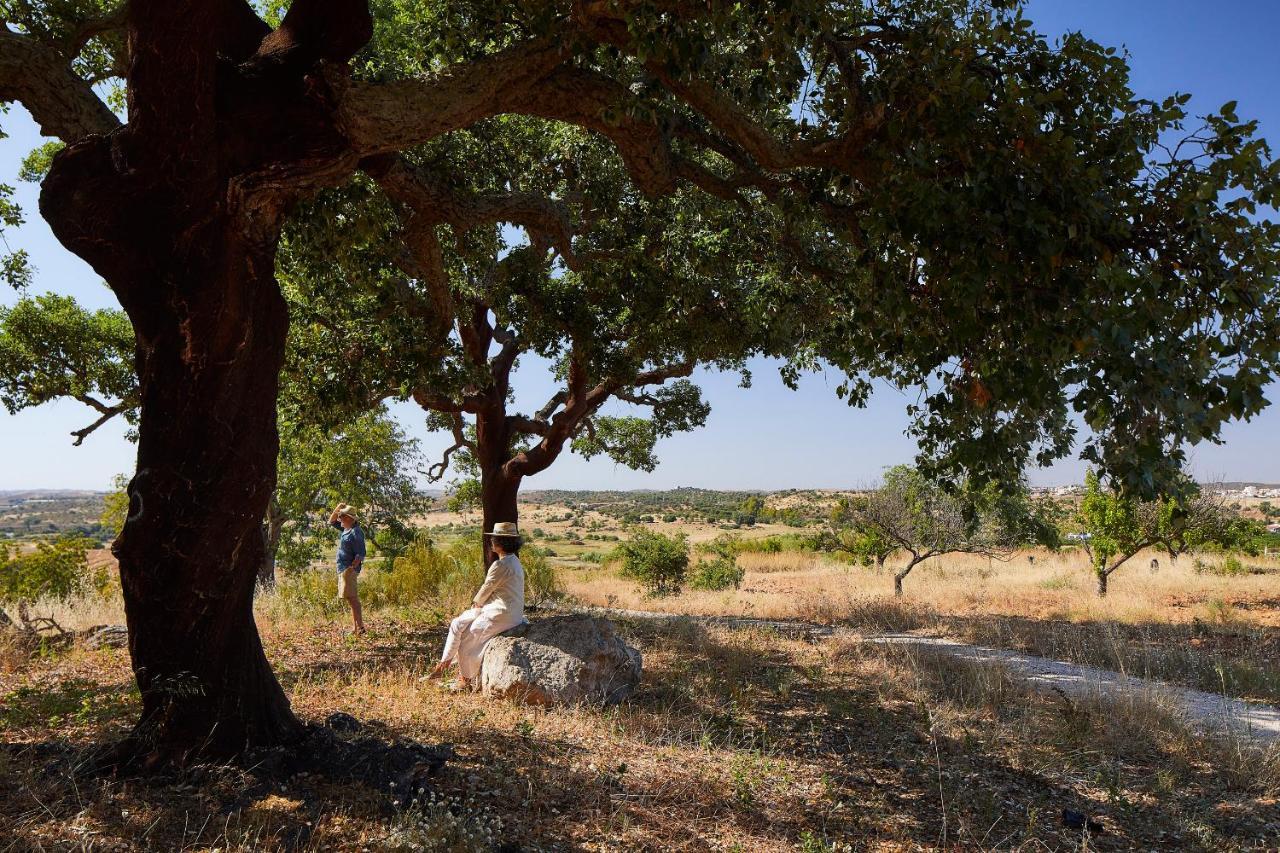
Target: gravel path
x=1210, y=711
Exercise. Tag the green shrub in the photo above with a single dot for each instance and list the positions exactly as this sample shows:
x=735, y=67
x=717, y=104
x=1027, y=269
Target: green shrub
x=541, y=579
x=1231, y=566
x=57, y=569
x=720, y=573
x=413, y=578
x=458, y=588
x=307, y=592
x=658, y=562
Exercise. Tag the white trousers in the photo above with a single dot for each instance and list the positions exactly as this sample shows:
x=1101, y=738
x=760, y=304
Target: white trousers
x=469, y=633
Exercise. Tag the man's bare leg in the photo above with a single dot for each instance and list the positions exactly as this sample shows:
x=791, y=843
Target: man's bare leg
x=357, y=614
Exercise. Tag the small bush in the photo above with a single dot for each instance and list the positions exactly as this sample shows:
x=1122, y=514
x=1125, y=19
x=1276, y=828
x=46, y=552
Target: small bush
x=309, y=592
x=658, y=562
x=720, y=573
x=1229, y=567
x=413, y=577
x=57, y=570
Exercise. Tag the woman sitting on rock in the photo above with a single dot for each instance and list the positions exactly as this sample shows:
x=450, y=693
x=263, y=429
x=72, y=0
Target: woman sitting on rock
x=497, y=607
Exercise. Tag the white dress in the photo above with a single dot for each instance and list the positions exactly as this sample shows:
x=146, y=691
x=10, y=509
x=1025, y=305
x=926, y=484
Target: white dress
x=498, y=605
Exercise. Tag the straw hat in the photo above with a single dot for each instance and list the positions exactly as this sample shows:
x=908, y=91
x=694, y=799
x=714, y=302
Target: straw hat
x=504, y=528
x=349, y=511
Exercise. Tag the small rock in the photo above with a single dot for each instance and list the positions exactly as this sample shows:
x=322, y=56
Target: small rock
x=107, y=637
x=1073, y=819
x=340, y=722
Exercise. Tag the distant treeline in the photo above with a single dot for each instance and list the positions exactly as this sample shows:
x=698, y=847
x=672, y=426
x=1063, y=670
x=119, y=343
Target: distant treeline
x=741, y=508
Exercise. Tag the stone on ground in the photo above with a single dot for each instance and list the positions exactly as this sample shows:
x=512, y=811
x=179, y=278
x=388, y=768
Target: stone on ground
x=561, y=660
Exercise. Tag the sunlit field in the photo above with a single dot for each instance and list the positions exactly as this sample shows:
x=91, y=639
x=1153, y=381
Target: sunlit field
x=1033, y=584
x=1185, y=622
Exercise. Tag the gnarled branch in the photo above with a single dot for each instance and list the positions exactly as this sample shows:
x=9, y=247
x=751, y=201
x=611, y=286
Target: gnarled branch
x=460, y=442
x=40, y=78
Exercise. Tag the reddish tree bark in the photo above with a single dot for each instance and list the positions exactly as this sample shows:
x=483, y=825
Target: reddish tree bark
x=180, y=211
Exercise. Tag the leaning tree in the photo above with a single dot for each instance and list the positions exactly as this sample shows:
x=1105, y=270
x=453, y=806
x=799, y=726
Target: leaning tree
x=924, y=518
x=973, y=200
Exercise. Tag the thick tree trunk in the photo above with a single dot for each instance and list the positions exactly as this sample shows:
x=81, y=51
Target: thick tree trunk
x=1102, y=583
x=192, y=547
x=210, y=323
x=499, y=496
x=180, y=211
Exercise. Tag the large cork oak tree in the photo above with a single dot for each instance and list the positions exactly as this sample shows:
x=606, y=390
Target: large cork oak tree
x=967, y=207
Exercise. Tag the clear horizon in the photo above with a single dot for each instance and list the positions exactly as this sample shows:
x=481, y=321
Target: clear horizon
x=766, y=438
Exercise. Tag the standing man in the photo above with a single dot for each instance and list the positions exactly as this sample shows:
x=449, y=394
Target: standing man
x=350, y=559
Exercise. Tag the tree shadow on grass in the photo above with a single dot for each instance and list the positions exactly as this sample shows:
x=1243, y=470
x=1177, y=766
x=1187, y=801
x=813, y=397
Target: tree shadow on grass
x=269, y=798
x=893, y=773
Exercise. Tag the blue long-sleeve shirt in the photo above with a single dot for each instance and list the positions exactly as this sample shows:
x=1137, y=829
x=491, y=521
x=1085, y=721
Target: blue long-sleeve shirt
x=350, y=546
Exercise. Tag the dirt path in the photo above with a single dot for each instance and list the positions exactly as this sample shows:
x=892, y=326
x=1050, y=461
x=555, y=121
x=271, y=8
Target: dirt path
x=1209, y=711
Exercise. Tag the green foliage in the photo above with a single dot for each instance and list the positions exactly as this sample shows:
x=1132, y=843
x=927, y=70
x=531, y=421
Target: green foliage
x=718, y=570
x=56, y=570
x=541, y=579
x=15, y=266
x=1115, y=526
x=1229, y=566
x=1112, y=523
x=852, y=533
x=426, y=574
x=464, y=495
x=366, y=462
x=115, y=506
x=50, y=348
x=658, y=562
x=36, y=164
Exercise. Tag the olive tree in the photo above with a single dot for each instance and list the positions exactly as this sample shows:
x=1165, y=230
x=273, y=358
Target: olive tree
x=925, y=518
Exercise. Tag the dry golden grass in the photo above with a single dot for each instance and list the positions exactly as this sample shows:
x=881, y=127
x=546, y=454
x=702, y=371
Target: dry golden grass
x=1214, y=632
x=1055, y=586
x=737, y=740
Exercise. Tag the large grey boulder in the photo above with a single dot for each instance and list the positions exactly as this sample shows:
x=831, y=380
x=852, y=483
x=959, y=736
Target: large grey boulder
x=561, y=660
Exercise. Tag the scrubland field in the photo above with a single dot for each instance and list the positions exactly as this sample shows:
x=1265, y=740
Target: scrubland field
x=739, y=739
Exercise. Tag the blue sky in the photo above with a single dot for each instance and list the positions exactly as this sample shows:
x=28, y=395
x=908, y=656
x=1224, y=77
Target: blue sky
x=766, y=437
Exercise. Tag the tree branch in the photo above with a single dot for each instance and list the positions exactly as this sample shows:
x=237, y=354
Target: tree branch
x=107, y=414
x=40, y=78
x=433, y=201
x=436, y=471
x=528, y=426
x=557, y=400
x=385, y=117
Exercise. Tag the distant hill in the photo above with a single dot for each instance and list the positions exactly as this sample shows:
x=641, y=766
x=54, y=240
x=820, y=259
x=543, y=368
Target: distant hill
x=9, y=497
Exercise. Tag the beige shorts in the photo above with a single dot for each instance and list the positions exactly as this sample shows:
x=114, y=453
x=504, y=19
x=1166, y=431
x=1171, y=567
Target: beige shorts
x=349, y=585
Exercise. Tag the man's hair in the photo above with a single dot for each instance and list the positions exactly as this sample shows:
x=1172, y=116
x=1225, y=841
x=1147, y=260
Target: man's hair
x=508, y=544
